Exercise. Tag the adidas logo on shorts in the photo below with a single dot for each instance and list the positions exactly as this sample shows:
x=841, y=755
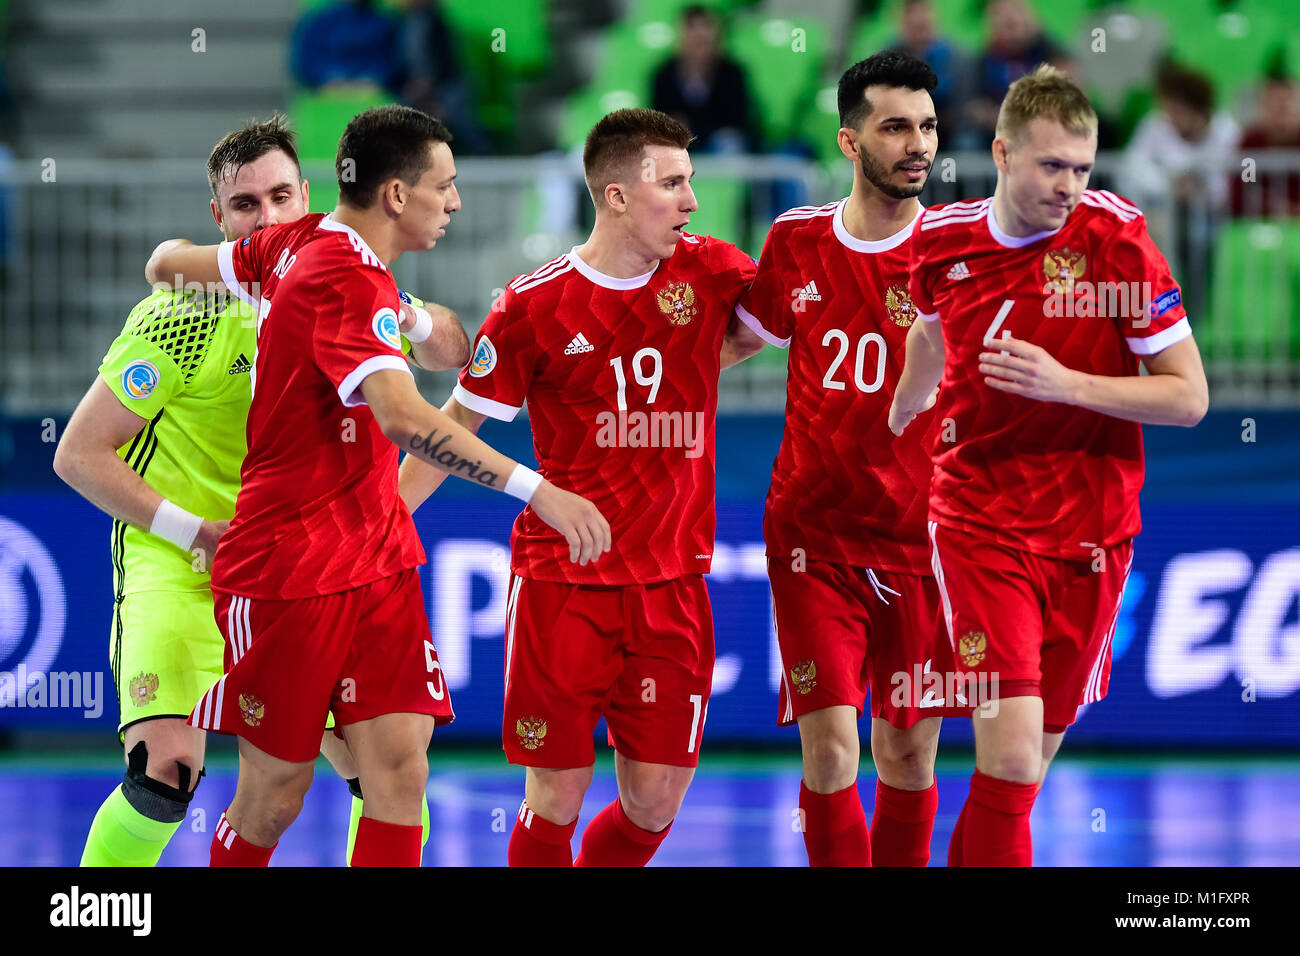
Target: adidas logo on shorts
x=808, y=293
x=579, y=345
x=959, y=271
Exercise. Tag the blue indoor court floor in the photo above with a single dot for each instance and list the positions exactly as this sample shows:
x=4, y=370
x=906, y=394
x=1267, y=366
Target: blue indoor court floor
x=1133, y=810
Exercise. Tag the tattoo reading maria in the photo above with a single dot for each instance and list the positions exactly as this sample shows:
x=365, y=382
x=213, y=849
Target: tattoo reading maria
x=450, y=460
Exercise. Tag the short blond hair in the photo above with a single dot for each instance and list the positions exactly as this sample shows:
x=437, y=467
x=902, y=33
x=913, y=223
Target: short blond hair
x=1049, y=93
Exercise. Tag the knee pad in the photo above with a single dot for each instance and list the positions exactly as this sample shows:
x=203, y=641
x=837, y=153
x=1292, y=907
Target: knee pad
x=152, y=798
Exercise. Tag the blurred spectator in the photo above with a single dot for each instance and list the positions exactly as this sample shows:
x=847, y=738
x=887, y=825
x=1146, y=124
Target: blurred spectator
x=1181, y=151
x=703, y=89
x=433, y=78
x=347, y=44
x=1276, y=126
x=919, y=36
x=1176, y=168
x=1017, y=45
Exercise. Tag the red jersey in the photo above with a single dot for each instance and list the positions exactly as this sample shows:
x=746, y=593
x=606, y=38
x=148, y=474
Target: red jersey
x=318, y=510
x=844, y=489
x=621, y=380
x=1052, y=479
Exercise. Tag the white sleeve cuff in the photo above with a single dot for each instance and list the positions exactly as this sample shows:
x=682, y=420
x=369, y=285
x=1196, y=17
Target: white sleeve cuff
x=927, y=316
x=350, y=389
x=1151, y=344
x=744, y=315
x=484, y=406
x=226, y=262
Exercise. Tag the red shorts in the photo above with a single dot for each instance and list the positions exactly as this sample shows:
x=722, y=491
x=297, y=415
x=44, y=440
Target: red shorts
x=359, y=653
x=640, y=655
x=1024, y=625
x=845, y=629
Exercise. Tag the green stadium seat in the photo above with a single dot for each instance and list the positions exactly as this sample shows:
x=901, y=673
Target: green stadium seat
x=633, y=52
x=783, y=59
x=1232, y=50
x=587, y=107
x=499, y=45
x=722, y=207
x=1255, y=310
x=318, y=120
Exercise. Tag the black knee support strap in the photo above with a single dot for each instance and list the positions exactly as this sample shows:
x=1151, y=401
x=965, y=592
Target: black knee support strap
x=153, y=798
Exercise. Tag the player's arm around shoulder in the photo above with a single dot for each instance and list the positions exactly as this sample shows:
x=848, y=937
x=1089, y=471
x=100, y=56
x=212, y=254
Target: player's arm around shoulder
x=416, y=427
x=177, y=262
x=416, y=478
x=740, y=342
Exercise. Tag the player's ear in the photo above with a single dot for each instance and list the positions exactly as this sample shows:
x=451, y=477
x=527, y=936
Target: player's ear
x=216, y=213
x=848, y=143
x=1001, y=148
x=615, y=197
x=393, y=195
x=306, y=196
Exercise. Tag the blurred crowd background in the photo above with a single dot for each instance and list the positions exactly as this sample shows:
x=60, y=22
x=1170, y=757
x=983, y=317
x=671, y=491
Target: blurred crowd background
x=116, y=102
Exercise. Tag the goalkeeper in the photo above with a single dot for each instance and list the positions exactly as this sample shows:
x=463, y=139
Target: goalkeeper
x=157, y=442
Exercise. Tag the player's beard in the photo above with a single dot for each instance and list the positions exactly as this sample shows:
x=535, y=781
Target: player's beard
x=876, y=174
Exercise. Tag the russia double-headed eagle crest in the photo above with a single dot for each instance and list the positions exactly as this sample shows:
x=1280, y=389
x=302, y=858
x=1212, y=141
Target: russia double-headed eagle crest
x=531, y=732
x=971, y=648
x=677, y=301
x=1061, y=269
x=143, y=689
x=803, y=677
x=898, y=305
x=251, y=709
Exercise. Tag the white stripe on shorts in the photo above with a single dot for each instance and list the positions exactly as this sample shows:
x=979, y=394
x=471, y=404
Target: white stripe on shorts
x=937, y=566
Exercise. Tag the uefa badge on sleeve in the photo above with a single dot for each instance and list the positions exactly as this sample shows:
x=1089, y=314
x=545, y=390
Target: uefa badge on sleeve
x=139, y=379
x=386, y=328
x=485, y=358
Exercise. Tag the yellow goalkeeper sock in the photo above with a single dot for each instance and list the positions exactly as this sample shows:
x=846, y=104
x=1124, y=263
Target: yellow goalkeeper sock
x=122, y=836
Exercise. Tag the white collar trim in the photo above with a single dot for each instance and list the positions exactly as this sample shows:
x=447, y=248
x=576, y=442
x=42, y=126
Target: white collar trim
x=332, y=224
x=609, y=282
x=870, y=245
x=1016, y=242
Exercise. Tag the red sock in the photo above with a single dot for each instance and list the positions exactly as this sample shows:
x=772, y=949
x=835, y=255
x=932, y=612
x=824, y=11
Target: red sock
x=954, y=845
x=902, y=824
x=230, y=849
x=538, y=842
x=613, y=840
x=835, y=827
x=386, y=844
x=997, y=822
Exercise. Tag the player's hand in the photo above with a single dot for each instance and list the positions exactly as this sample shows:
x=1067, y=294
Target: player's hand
x=900, y=417
x=1023, y=368
x=581, y=523
x=210, y=533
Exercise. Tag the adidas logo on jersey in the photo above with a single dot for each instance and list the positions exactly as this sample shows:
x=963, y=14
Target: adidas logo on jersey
x=959, y=271
x=579, y=345
x=808, y=293
x=241, y=366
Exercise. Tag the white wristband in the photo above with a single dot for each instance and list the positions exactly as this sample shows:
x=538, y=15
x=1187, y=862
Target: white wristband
x=173, y=523
x=522, y=483
x=423, y=327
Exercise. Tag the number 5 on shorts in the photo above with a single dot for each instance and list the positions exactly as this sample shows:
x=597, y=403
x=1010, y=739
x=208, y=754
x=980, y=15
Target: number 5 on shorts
x=439, y=690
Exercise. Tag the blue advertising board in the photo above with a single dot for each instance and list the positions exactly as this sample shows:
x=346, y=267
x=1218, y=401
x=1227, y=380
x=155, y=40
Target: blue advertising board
x=1207, y=650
